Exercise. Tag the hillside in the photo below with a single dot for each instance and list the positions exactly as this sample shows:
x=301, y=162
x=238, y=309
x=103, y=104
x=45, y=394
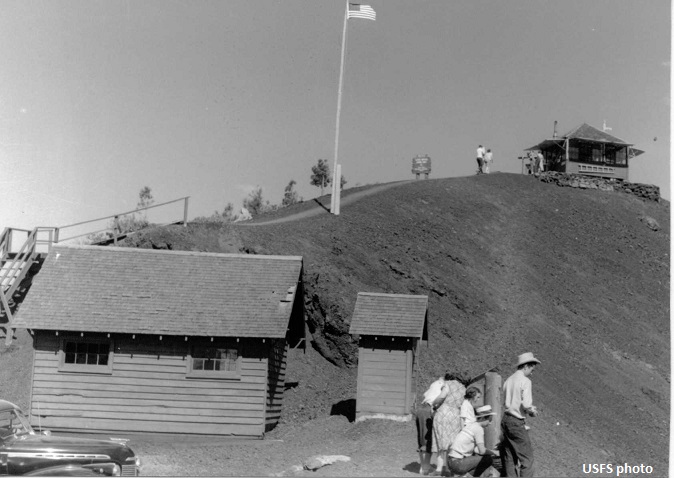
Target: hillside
x=510, y=264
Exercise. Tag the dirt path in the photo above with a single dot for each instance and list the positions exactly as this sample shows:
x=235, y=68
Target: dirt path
x=319, y=208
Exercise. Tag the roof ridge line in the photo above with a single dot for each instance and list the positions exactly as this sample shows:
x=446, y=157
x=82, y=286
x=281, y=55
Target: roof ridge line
x=166, y=251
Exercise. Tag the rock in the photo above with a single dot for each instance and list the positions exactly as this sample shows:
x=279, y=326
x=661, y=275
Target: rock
x=244, y=216
x=650, y=222
x=318, y=461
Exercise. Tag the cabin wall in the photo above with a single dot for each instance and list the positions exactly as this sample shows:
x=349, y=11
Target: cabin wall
x=385, y=376
x=148, y=390
x=278, y=354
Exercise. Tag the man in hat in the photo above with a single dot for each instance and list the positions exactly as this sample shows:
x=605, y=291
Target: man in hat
x=462, y=458
x=518, y=404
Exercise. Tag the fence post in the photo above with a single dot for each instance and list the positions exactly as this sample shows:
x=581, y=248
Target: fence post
x=185, y=213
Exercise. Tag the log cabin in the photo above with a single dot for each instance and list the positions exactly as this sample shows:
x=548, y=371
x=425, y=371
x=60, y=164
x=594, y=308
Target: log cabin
x=154, y=341
x=390, y=329
x=588, y=151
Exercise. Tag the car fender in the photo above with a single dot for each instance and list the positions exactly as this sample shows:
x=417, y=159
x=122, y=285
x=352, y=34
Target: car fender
x=98, y=469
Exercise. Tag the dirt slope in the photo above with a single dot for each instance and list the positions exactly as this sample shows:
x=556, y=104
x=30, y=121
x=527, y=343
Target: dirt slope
x=510, y=264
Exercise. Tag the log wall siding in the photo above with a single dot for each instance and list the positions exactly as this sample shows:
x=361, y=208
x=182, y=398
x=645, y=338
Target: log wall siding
x=384, y=379
x=278, y=354
x=148, y=390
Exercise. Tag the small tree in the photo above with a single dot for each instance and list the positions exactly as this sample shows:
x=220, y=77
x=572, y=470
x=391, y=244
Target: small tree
x=228, y=212
x=145, y=198
x=321, y=174
x=256, y=204
x=128, y=222
x=290, y=196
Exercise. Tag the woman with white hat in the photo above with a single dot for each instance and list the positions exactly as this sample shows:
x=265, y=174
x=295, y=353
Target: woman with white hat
x=461, y=458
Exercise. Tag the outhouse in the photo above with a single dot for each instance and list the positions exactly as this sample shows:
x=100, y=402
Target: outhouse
x=155, y=341
x=390, y=329
x=588, y=151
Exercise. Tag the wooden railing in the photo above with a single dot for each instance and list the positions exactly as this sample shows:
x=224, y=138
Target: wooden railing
x=14, y=265
x=115, y=232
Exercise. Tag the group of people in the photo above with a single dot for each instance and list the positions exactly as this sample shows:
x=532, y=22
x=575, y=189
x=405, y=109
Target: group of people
x=536, y=162
x=484, y=159
x=451, y=424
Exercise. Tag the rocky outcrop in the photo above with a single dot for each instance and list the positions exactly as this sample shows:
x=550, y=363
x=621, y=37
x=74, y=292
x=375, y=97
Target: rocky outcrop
x=329, y=330
x=646, y=191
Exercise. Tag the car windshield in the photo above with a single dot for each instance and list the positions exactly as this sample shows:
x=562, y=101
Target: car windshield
x=13, y=423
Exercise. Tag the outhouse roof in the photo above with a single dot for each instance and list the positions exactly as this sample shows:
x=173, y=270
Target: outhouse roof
x=144, y=291
x=394, y=315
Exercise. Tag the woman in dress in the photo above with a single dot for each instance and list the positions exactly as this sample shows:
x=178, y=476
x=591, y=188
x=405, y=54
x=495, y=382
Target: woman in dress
x=447, y=421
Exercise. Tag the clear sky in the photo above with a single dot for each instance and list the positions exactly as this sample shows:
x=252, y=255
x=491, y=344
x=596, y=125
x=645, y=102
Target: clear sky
x=209, y=99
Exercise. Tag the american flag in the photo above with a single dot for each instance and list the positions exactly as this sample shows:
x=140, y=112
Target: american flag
x=361, y=11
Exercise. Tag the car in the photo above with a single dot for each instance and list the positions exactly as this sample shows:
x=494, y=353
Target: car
x=25, y=452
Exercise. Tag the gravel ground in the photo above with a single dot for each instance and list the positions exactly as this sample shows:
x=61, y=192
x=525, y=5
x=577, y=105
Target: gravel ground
x=375, y=448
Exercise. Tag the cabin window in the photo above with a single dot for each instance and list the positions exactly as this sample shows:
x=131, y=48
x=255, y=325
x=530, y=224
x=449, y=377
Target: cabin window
x=587, y=153
x=215, y=362
x=621, y=157
x=86, y=355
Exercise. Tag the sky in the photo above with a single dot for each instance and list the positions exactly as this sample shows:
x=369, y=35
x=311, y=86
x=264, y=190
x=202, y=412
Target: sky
x=211, y=99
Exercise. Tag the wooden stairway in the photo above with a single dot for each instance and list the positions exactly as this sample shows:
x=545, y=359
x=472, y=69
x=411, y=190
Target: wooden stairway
x=16, y=271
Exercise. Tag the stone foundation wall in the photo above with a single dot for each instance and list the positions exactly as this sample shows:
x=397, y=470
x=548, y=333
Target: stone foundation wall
x=646, y=191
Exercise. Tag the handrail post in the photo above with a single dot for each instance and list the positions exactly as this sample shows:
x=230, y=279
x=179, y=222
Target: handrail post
x=114, y=236
x=50, y=241
x=185, y=214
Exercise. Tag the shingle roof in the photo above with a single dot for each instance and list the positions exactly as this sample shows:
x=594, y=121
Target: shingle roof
x=585, y=131
x=394, y=315
x=127, y=290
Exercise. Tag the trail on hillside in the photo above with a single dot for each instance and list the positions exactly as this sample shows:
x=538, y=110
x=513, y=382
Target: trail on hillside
x=321, y=209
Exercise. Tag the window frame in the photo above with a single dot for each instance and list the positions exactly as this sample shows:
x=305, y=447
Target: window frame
x=214, y=374
x=86, y=368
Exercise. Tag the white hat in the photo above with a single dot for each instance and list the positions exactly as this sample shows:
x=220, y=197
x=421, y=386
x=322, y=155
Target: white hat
x=527, y=357
x=484, y=411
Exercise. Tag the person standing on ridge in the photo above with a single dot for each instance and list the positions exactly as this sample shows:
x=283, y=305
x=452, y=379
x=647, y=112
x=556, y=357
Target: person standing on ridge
x=518, y=403
x=480, y=159
x=488, y=158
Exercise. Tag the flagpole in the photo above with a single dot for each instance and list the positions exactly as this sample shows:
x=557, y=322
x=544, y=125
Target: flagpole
x=334, y=207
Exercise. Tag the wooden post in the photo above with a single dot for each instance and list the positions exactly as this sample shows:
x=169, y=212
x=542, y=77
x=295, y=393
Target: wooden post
x=492, y=396
x=566, y=149
x=114, y=236
x=8, y=327
x=185, y=213
x=338, y=190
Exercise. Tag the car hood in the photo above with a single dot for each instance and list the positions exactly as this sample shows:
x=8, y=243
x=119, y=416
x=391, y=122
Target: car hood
x=71, y=445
